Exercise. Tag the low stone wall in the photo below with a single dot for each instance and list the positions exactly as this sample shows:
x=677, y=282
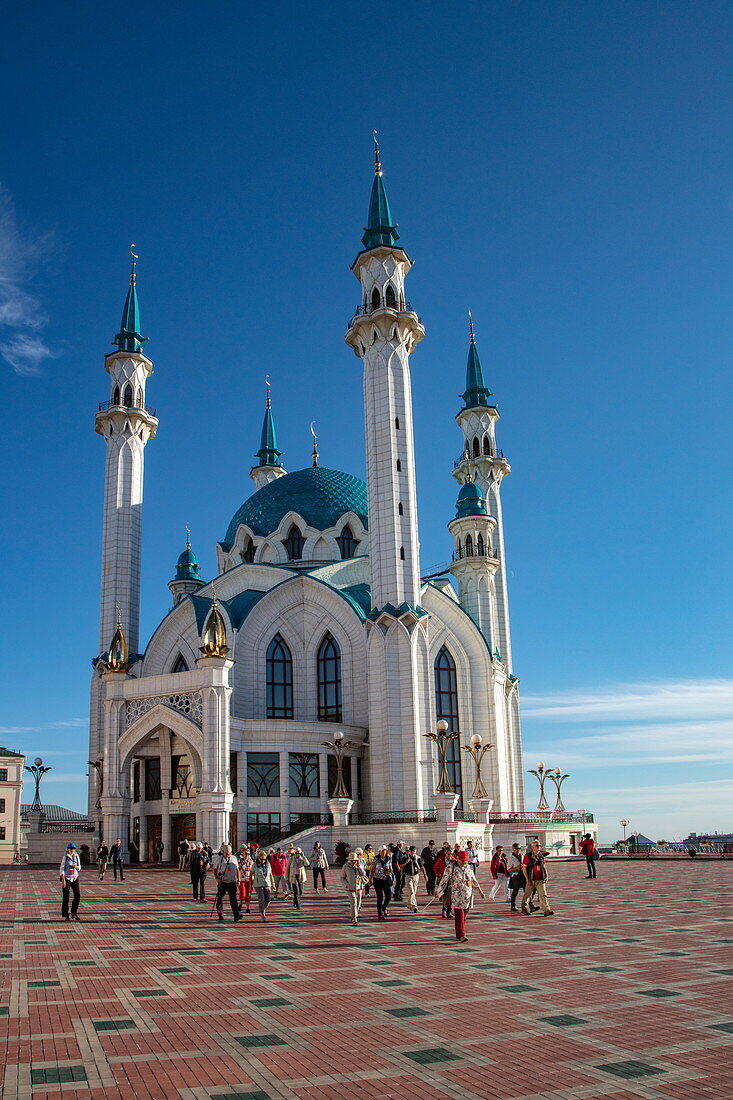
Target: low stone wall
x=417, y=833
x=49, y=847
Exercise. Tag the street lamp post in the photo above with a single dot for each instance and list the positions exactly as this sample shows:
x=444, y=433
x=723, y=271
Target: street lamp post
x=443, y=739
x=541, y=774
x=37, y=769
x=477, y=751
x=558, y=779
x=624, y=824
x=339, y=748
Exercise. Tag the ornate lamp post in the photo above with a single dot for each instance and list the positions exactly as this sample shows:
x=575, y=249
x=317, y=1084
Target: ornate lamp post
x=541, y=773
x=477, y=751
x=339, y=747
x=98, y=766
x=558, y=779
x=37, y=769
x=339, y=803
x=443, y=739
x=624, y=824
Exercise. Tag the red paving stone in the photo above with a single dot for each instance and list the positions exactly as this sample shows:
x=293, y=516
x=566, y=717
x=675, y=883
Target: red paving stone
x=617, y=987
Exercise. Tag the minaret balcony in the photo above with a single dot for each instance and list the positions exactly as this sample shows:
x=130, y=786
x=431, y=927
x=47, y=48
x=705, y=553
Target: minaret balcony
x=368, y=310
x=462, y=554
x=104, y=406
x=474, y=458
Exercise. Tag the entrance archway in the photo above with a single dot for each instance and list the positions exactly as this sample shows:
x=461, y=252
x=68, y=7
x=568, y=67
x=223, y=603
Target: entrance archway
x=183, y=827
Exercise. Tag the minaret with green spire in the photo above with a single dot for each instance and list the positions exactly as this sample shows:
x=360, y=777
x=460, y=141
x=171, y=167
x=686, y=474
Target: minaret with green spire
x=269, y=466
x=477, y=392
x=188, y=573
x=380, y=228
x=129, y=338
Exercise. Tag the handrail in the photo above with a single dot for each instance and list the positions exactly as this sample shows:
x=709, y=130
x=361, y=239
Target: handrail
x=105, y=405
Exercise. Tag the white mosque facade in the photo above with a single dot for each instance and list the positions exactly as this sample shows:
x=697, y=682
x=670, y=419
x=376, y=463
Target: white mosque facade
x=295, y=690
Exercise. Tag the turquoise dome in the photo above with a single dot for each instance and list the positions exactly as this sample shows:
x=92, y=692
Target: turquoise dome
x=320, y=496
x=187, y=567
x=470, y=502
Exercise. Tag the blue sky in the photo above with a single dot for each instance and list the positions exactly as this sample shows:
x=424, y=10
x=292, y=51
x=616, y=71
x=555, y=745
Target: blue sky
x=564, y=169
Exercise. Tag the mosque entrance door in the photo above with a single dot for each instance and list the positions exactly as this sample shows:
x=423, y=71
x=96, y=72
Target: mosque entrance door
x=155, y=831
x=183, y=827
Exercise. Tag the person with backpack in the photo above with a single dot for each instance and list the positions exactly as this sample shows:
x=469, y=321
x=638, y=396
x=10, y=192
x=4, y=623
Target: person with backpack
x=459, y=878
x=588, y=848
x=535, y=873
x=409, y=866
x=198, y=865
x=354, y=877
x=382, y=876
x=246, y=874
x=516, y=881
x=499, y=873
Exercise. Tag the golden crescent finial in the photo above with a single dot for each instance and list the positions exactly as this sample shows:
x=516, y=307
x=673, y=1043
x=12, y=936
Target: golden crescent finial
x=314, y=454
x=134, y=255
x=188, y=537
x=471, y=327
x=377, y=165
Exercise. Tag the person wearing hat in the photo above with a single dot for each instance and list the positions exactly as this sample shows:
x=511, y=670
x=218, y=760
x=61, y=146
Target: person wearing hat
x=382, y=876
x=354, y=877
x=69, y=870
x=460, y=879
x=295, y=874
x=198, y=865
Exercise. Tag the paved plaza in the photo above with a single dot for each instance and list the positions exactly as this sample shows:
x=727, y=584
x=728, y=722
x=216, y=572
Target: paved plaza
x=626, y=992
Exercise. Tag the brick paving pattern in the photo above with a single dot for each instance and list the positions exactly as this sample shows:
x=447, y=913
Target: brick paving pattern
x=626, y=992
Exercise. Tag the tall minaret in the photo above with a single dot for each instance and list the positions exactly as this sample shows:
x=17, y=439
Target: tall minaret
x=269, y=466
x=383, y=333
x=482, y=462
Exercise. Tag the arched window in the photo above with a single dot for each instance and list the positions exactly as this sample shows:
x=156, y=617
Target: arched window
x=469, y=546
x=180, y=664
x=397, y=423
x=480, y=545
x=116, y=396
x=139, y=398
x=329, y=681
x=399, y=466
x=402, y=553
x=446, y=705
x=389, y=297
x=347, y=544
x=127, y=396
x=476, y=447
x=279, y=679
x=294, y=544
x=400, y=509
x=376, y=300
x=487, y=445
x=248, y=554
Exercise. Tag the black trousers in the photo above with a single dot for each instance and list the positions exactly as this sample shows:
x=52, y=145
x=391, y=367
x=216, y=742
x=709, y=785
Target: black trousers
x=430, y=883
x=117, y=863
x=399, y=884
x=227, y=888
x=316, y=872
x=198, y=883
x=297, y=888
x=591, y=866
x=383, y=890
x=518, y=887
x=73, y=889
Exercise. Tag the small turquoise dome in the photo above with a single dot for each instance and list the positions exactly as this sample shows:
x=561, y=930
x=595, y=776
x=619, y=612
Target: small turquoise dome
x=470, y=502
x=187, y=567
x=319, y=495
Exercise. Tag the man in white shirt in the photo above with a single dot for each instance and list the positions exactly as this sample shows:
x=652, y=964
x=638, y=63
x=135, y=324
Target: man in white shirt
x=69, y=870
x=226, y=868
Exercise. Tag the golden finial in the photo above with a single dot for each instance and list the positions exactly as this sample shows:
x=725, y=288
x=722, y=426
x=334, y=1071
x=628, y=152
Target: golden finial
x=188, y=537
x=133, y=272
x=267, y=392
x=118, y=609
x=470, y=327
x=314, y=454
x=213, y=594
x=118, y=656
x=377, y=165
x=215, y=636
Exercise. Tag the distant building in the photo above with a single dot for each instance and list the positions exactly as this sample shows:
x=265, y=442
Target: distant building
x=11, y=785
x=708, y=838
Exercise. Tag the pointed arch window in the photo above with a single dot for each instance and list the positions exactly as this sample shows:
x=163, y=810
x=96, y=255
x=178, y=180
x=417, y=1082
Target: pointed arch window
x=469, y=546
x=279, y=679
x=116, y=396
x=402, y=553
x=180, y=664
x=390, y=297
x=480, y=545
x=347, y=544
x=476, y=447
x=487, y=445
x=139, y=398
x=397, y=423
x=294, y=544
x=399, y=466
x=446, y=706
x=127, y=396
x=248, y=554
x=400, y=509
x=329, y=681
x=376, y=299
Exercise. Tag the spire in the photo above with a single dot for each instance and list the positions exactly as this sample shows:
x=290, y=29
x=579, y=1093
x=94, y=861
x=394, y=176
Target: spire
x=314, y=454
x=268, y=453
x=477, y=392
x=380, y=229
x=129, y=338
x=187, y=566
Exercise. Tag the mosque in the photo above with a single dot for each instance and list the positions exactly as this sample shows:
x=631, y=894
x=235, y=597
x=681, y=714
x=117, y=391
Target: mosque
x=295, y=690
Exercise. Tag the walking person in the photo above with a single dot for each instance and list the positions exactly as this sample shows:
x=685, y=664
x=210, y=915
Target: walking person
x=279, y=865
x=428, y=856
x=319, y=865
x=198, y=865
x=355, y=878
x=499, y=872
x=69, y=871
x=369, y=856
x=102, y=859
x=460, y=879
x=246, y=873
x=295, y=874
x=227, y=877
x=588, y=848
x=115, y=854
x=382, y=877
x=398, y=855
x=472, y=857
x=445, y=858
x=516, y=881
x=160, y=848
x=535, y=873
x=410, y=868
x=263, y=882
x=182, y=855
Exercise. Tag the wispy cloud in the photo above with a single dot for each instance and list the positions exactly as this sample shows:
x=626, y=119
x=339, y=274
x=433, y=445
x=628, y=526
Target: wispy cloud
x=22, y=319
x=672, y=699
x=71, y=722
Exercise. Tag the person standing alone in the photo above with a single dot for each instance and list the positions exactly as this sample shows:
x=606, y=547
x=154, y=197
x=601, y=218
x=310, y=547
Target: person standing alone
x=115, y=854
x=428, y=856
x=500, y=874
x=69, y=871
x=102, y=859
x=588, y=848
x=227, y=877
